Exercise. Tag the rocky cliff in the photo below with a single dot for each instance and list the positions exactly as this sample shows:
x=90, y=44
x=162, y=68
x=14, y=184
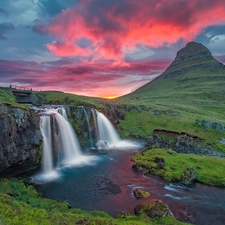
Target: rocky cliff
x=20, y=137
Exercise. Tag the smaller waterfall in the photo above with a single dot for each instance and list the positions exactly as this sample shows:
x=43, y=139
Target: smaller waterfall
x=89, y=127
x=94, y=113
x=47, y=165
x=106, y=130
x=62, y=111
x=108, y=138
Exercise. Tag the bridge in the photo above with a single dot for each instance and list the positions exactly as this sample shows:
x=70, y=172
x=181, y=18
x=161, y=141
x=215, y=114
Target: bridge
x=23, y=95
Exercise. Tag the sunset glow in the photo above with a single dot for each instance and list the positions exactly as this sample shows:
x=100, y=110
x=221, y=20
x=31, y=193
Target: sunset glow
x=101, y=47
x=110, y=97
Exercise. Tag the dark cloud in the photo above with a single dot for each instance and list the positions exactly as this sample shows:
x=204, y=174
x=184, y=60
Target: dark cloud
x=53, y=7
x=39, y=27
x=5, y=28
x=4, y=12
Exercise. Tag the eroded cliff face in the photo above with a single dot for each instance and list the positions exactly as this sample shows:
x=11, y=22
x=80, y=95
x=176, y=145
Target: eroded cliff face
x=20, y=137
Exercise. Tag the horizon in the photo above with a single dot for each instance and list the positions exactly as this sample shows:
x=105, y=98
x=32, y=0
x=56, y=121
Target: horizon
x=101, y=48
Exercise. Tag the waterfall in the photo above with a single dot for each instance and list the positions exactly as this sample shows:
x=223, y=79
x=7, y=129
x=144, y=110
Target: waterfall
x=106, y=130
x=47, y=159
x=70, y=146
x=65, y=147
x=94, y=112
x=62, y=111
x=89, y=127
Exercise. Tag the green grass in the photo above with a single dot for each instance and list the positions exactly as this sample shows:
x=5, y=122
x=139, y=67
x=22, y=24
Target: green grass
x=6, y=96
x=60, y=98
x=210, y=170
x=21, y=204
x=142, y=124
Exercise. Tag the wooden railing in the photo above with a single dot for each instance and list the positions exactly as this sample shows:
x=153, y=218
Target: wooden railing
x=16, y=88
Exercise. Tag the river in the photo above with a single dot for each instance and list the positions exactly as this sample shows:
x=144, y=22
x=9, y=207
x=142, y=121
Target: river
x=108, y=185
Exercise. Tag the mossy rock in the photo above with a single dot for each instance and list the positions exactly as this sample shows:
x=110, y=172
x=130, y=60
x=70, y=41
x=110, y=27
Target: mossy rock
x=154, y=209
x=140, y=193
x=189, y=175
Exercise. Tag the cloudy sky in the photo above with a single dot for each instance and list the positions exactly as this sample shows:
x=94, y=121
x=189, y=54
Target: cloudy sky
x=101, y=47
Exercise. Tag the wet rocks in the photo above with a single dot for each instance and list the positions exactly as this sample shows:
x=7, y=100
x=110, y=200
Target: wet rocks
x=140, y=193
x=154, y=209
x=189, y=175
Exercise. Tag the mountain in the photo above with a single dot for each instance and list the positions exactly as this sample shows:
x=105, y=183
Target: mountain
x=195, y=76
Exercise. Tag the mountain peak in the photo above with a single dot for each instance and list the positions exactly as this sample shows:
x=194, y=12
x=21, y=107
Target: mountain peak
x=192, y=53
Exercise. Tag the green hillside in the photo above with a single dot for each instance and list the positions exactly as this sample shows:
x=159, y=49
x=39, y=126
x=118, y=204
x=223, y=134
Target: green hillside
x=194, y=77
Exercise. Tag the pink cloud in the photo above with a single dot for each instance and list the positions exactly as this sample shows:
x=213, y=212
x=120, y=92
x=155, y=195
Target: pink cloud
x=94, y=79
x=114, y=26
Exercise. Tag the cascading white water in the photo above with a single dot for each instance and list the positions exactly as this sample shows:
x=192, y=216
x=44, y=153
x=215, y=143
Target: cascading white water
x=69, y=144
x=63, y=113
x=106, y=130
x=89, y=127
x=66, y=145
x=94, y=112
x=47, y=159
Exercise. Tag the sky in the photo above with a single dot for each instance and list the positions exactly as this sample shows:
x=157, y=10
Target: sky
x=101, y=48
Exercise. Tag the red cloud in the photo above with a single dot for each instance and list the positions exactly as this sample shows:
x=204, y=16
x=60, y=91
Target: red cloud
x=114, y=26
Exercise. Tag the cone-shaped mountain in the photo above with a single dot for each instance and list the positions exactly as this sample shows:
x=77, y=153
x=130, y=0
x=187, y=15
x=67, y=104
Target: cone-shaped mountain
x=194, y=74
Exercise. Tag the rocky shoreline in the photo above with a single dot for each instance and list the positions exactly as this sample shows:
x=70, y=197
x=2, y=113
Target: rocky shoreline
x=180, y=142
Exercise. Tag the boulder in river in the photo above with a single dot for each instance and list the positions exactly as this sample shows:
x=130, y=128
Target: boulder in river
x=140, y=193
x=154, y=209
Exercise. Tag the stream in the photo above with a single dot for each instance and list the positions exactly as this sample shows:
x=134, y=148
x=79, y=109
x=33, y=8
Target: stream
x=107, y=184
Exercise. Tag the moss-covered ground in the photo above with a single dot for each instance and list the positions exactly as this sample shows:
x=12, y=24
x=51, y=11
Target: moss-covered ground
x=20, y=204
x=176, y=117
x=210, y=170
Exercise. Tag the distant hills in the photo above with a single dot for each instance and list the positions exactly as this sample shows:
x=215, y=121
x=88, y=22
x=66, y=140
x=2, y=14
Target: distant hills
x=195, y=77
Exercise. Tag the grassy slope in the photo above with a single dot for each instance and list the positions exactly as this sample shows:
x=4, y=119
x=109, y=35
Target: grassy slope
x=190, y=79
x=195, y=88
x=143, y=123
x=210, y=170
x=52, y=97
x=6, y=96
x=20, y=204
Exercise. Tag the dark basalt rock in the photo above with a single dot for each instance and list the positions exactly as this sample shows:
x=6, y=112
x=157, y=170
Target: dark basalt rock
x=154, y=209
x=207, y=124
x=20, y=137
x=181, y=142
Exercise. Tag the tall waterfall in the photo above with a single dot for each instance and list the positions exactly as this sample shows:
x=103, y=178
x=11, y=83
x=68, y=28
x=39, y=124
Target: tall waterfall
x=106, y=130
x=56, y=128
x=47, y=162
x=70, y=146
